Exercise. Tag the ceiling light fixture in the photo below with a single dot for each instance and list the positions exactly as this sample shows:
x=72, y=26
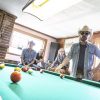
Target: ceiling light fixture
x=44, y=9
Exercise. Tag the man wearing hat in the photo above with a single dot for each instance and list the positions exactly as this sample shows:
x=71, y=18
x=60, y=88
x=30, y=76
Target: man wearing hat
x=82, y=55
x=28, y=55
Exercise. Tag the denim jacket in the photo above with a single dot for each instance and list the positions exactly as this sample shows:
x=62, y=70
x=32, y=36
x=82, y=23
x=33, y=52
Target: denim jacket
x=28, y=56
x=90, y=51
x=59, y=59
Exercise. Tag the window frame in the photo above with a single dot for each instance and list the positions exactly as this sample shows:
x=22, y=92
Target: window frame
x=28, y=34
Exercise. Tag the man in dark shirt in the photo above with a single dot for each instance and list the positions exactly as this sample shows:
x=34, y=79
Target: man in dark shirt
x=82, y=55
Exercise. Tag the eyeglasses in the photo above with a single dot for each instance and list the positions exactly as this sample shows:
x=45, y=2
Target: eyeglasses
x=84, y=32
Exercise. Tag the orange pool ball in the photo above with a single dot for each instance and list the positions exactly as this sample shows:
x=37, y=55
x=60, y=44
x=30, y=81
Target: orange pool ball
x=25, y=69
x=15, y=77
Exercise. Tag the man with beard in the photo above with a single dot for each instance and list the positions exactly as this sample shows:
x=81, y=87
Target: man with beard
x=82, y=55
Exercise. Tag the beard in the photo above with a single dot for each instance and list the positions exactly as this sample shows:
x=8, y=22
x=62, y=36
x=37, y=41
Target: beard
x=83, y=38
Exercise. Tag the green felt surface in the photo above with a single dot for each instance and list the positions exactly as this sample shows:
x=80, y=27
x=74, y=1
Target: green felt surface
x=44, y=87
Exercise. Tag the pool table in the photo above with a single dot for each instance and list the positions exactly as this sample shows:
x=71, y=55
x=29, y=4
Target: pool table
x=46, y=86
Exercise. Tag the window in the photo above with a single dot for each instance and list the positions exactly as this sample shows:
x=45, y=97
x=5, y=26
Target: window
x=19, y=41
x=69, y=42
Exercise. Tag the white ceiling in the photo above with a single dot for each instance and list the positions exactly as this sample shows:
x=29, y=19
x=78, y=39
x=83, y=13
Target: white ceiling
x=63, y=24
